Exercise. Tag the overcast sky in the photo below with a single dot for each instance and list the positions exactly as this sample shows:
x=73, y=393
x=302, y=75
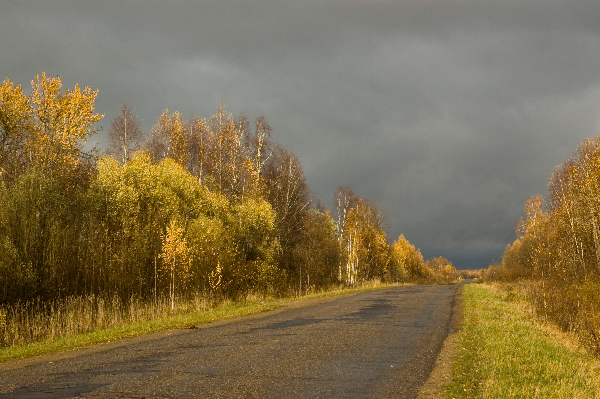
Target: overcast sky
x=448, y=114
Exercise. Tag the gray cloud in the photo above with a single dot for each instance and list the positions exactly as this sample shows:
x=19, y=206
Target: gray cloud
x=449, y=114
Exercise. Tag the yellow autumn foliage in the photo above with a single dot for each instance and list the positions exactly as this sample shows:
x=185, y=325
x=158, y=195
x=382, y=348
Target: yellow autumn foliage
x=176, y=259
x=62, y=122
x=47, y=129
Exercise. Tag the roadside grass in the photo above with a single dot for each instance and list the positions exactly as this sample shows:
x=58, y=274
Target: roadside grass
x=183, y=318
x=505, y=351
x=225, y=310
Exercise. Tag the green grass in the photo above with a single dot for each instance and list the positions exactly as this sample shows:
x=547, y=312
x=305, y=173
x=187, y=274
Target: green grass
x=505, y=351
x=226, y=310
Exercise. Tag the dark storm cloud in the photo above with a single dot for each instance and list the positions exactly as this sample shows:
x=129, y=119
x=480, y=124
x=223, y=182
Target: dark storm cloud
x=449, y=114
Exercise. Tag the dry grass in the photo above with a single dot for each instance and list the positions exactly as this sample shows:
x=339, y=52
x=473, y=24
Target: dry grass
x=36, y=321
x=36, y=328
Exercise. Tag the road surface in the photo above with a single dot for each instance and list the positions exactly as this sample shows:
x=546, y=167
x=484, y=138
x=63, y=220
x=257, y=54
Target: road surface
x=375, y=344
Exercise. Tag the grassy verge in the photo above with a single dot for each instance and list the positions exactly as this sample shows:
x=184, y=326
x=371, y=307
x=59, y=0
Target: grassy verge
x=226, y=310
x=504, y=351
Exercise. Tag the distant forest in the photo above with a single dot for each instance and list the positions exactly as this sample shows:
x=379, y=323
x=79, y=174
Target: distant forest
x=207, y=205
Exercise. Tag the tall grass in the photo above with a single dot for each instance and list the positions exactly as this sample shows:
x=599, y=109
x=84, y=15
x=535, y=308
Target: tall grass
x=35, y=327
x=575, y=308
x=34, y=321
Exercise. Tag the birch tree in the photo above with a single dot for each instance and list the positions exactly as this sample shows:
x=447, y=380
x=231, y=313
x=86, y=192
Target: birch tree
x=175, y=255
x=198, y=147
x=289, y=196
x=169, y=138
x=260, y=147
x=125, y=135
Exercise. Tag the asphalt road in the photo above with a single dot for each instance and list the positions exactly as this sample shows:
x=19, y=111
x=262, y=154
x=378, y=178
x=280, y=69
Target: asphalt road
x=376, y=344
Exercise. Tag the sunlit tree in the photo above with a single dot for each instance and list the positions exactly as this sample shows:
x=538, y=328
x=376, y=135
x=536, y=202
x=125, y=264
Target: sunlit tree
x=15, y=125
x=169, y=138
x=443, y=270
x=62, y=123
x=254, y=235
x=409, y=260
x=176, y=259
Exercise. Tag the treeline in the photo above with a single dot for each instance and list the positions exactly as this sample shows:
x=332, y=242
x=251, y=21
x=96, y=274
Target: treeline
x=558, y=247
x=208, y=205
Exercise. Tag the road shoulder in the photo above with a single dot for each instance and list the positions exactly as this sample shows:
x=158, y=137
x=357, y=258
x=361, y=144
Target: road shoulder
x=279, y=306
x=441, y=374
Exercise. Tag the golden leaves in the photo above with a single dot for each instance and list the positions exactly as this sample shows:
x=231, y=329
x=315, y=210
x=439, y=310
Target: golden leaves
x=49, y=126
x=175, y=256
x=15, y=116
x=62, y=122
x=170, y=138
x=215, y=277
x=175, y=251
x=14, y=108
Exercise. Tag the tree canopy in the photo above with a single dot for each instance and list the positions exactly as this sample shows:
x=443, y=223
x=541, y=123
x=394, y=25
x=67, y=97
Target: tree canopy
x=207, y=205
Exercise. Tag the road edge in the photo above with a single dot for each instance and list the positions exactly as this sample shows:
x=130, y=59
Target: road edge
x=281, y=305
x=441, y=375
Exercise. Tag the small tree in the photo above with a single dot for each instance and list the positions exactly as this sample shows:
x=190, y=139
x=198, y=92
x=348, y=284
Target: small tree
x=175, y=257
